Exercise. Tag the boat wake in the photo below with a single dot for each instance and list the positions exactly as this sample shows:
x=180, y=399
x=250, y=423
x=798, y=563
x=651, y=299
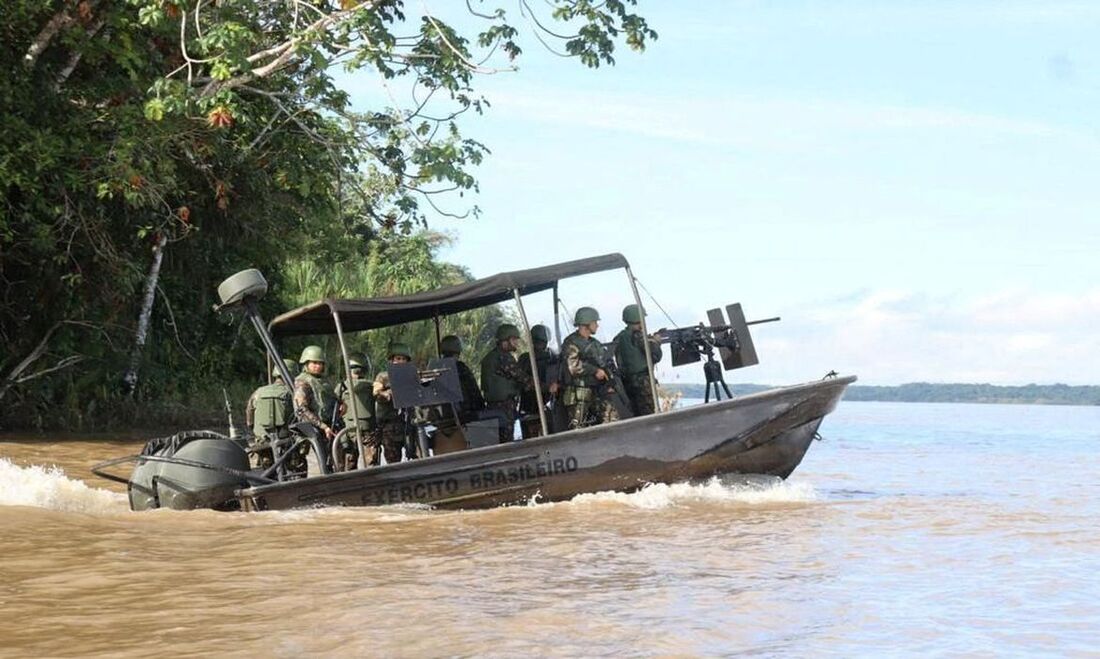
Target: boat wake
x=749, y=490
x=50, y=488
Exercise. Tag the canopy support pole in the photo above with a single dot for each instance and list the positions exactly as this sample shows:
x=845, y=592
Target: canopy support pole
x=351, y=390
x=645, y=342
x=536, y=381
x=557, y=322
x=438, y=337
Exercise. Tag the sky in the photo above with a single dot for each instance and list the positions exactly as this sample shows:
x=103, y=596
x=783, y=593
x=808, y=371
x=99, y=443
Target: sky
x=911, y=186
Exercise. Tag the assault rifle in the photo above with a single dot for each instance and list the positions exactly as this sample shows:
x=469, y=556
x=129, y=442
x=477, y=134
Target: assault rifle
x=612, y=389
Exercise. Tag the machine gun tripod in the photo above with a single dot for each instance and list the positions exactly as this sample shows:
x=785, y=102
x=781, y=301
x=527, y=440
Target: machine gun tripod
x=712, y=371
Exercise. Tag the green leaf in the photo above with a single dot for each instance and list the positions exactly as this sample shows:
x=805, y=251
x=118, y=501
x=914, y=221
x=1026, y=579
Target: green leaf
x=154, y=109
x=221, y=70
x=151, y=16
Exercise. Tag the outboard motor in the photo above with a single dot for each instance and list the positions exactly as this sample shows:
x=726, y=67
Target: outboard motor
x=202, y=468
x=193, y=469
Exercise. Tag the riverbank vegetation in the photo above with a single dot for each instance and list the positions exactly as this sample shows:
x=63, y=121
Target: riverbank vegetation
x=150, y=148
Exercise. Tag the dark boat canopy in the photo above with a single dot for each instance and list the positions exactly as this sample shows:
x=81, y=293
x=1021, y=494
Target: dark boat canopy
x=373, y=313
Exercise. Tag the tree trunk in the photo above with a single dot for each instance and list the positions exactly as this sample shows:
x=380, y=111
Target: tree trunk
x=60, y=20
x=130, y=379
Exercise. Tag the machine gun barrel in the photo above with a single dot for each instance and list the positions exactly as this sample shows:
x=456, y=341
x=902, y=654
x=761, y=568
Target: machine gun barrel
x=773, y=319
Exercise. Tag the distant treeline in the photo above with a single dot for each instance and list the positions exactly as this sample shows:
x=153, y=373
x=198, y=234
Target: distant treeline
x=924, y=392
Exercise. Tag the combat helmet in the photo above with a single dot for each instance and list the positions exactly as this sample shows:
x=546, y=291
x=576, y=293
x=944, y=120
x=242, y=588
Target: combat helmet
x=507, y=331
x=586, y=315
x=450, y=345
x=291, y=368
x=312, y=354
x=357, y=360
x=632, y=314
x=399, y=348
x=540, y=333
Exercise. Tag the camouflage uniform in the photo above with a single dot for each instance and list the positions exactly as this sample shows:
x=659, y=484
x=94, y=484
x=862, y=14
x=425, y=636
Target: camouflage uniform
x=630, y=356
x=315, y=398
x=502, y=379
x=583, y=357
x=391, y=428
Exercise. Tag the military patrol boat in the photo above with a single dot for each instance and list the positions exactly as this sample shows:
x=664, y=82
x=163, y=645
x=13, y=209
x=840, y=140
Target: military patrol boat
x=762, y=433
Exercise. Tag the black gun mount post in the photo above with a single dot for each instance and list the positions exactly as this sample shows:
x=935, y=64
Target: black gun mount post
x=712, y=372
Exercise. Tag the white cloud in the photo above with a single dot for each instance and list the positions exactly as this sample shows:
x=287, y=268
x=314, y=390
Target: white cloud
x=890, y=337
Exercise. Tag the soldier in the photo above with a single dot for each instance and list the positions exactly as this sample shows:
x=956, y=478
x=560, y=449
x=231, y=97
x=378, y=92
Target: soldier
x=312, y=395
x=547, y=362
x=630, y=356
x=583, y=356
x=503, y=378
x=472, y=400
x=363, y=406
x=391, y=426
x=269, y=412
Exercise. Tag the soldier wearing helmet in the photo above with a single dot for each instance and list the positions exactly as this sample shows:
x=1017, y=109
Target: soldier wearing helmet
x=472, y=400
x=583, y=356
x=357, y=415
x=630, y=356
x=312, y=395
x=269, y=412
x=391, y=425
x=547, y=362
x=503, y=378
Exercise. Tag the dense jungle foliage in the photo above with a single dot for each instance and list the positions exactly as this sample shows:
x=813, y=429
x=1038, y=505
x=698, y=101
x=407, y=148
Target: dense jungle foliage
x=149, y=148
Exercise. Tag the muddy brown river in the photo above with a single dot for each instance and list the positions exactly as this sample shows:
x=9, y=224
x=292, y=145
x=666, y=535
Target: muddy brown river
x=913, y=529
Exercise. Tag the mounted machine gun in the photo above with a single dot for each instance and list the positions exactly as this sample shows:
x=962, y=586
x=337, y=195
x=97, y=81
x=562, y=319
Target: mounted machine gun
x=732, y=340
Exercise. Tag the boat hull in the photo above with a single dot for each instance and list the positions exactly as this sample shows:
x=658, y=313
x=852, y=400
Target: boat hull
x=762, y=433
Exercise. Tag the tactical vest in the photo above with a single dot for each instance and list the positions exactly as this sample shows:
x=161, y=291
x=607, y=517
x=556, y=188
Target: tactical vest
x=591, y=352
x=323, y=395
x=497, y=388
x=274, y=409
x=630, y=357
x=364, y=403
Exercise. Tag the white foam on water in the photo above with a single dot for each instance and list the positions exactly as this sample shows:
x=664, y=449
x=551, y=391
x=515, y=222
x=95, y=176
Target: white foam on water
x=50, y=488
x=750, y=491
x=737, y=490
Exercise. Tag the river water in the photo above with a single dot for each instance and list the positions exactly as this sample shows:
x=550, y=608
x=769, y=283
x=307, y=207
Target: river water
x=913, y=529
